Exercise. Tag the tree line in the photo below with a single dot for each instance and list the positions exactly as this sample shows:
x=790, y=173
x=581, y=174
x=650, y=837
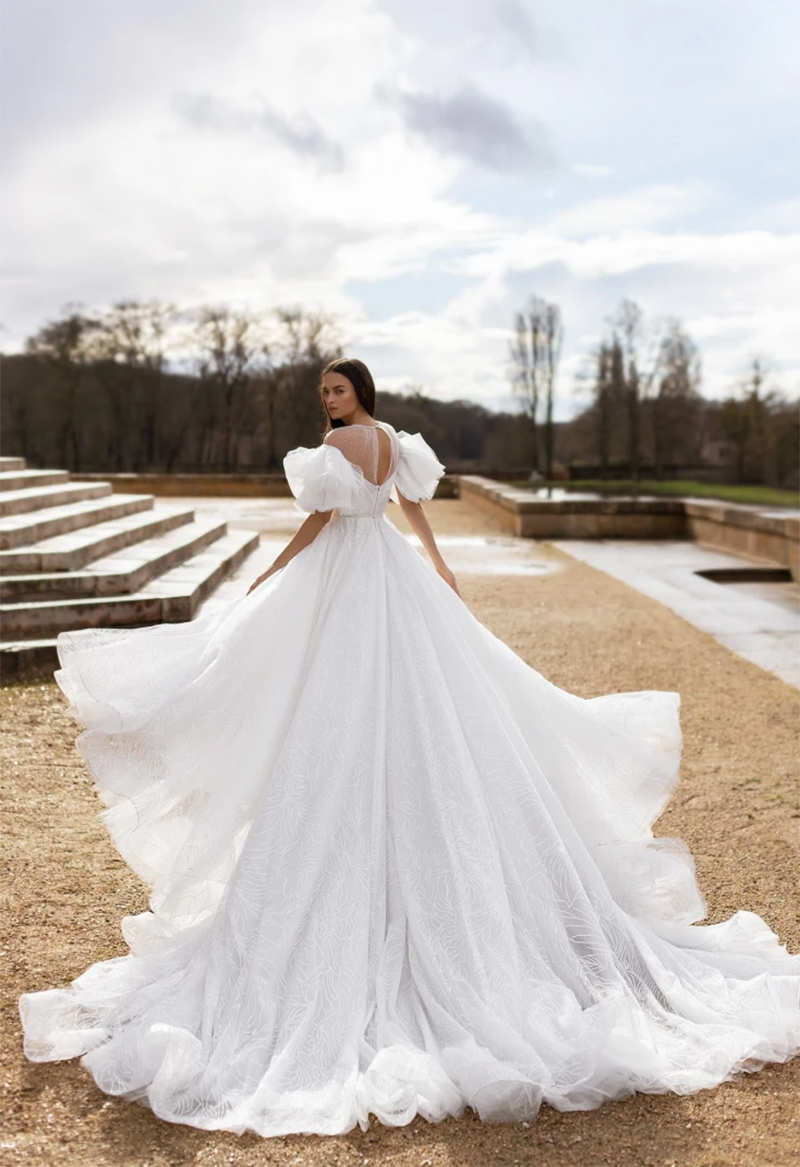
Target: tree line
x=144, y=386
x=647, y=416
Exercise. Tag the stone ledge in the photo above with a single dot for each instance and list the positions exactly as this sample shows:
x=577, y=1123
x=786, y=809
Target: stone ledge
x=738, y=515
x=225, y=485
x=764, y=535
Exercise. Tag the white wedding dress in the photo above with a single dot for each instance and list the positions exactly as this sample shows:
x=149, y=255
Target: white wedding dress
x=394, y=870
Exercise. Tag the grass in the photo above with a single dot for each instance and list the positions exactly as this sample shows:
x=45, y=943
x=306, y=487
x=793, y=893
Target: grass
x=758, y=495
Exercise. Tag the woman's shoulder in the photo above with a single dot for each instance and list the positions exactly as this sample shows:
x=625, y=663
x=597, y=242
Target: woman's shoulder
x=357, y=442
x=345, y=433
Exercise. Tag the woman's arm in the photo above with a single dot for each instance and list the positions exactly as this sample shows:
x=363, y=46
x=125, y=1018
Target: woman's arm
x=419, y=522
x=305, y=534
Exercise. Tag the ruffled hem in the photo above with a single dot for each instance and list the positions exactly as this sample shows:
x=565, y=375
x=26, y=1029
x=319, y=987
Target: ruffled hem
x=610, y=1051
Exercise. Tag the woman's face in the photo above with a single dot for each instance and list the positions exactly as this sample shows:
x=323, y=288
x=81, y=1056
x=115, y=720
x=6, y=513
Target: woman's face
x=339, y=396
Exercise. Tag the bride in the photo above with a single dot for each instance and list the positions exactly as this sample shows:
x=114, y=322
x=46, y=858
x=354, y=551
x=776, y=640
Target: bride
x=393, y=869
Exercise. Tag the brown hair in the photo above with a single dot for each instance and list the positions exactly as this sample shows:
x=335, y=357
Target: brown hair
x=359, y=377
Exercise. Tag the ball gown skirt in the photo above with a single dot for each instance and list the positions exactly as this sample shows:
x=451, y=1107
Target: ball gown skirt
x=393, y=869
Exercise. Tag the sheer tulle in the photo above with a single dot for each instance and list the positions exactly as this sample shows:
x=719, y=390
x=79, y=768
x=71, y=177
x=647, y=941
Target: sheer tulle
x=394, y=870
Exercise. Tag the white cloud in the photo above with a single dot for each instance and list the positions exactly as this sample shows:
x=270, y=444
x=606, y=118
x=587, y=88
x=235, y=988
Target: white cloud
x=588, y=170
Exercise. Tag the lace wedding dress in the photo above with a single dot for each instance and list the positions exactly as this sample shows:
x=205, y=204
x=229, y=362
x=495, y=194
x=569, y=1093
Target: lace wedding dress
x=394, y=870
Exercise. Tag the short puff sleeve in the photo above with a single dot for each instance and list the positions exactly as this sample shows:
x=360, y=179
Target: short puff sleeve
x=418, y=470
x=320, y=478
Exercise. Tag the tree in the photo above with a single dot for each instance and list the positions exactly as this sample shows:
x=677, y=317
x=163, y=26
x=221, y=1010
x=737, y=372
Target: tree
x=306, y=341
x=627, y=334
x=230, y=343
x=762, y=425
x=65, y=345
x=603, y=403
x=553, y=340
x=129, y=351
x=535, y=352
x=676, y=404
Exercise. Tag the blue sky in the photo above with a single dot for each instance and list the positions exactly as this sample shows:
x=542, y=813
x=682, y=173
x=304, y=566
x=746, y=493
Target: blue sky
x=415, y=169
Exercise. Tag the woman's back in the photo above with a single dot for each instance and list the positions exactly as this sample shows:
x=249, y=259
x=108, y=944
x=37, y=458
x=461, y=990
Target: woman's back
x=367, y=446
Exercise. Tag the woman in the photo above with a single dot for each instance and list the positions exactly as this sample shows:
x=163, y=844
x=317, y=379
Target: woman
x=394, y=870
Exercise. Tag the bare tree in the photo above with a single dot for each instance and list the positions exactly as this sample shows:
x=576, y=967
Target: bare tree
x=675, y=407
x=66, y=346
x=535, y=352
x=553, y=340
x=603, y=394
x=525, y=377
x=230, y=343
x=628, y=324
x=305, y=342
x=753, y=419
x=129, y=348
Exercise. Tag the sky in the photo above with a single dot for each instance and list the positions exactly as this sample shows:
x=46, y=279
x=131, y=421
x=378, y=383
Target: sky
x=416, y=170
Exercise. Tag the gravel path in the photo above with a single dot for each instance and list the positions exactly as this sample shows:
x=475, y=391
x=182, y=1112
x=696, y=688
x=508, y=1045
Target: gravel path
x=66, y=890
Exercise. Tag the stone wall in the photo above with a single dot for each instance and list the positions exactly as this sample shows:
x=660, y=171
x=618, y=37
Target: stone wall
x=763, y=535
x=219, y=485
x=519, y=512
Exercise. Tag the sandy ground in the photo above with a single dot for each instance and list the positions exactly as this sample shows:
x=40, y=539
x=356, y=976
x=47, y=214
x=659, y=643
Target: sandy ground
x=66, y=890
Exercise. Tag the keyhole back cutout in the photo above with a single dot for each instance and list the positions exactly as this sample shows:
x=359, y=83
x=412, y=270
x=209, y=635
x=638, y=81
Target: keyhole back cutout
x=384, y=460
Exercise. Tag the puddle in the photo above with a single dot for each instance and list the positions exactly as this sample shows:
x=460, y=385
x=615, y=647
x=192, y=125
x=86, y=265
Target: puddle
x=558, y=494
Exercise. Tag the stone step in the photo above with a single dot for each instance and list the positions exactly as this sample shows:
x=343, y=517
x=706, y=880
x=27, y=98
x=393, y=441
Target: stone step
x=22, y=530
x=171, y=598
x=25, y=479
x=19, y=657
x=75, y=549
x=8, y=464
x=121, y=573
x=37, y=498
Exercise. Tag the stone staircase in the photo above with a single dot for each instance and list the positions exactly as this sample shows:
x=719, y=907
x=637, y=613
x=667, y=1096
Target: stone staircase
x=76, y=555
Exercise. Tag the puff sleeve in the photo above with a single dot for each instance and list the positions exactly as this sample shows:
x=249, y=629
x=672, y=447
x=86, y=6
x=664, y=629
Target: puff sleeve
x=418, y=470
x=320, y=478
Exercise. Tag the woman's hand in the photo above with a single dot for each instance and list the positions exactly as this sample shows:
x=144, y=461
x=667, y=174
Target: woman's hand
x=270, y=571
x=419, y=524
x=444, y=571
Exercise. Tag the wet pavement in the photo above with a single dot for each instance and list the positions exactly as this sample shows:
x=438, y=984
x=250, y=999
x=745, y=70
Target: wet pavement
x=758, y=620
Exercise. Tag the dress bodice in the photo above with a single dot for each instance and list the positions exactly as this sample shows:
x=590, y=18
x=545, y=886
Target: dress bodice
x=341, y=473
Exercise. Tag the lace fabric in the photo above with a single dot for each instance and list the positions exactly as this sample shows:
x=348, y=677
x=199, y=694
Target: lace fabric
x=360, y=444
x=393, y=869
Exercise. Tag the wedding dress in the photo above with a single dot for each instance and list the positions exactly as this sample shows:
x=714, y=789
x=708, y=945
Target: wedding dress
x=394, y=870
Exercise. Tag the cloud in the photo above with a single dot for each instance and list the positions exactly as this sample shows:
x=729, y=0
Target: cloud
x=474, y=126
x=63, y=63
x=531, y=34
x=517, y=21
x=651, y=205
x=236, y=151
x=301, y=133
x=587, y=170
